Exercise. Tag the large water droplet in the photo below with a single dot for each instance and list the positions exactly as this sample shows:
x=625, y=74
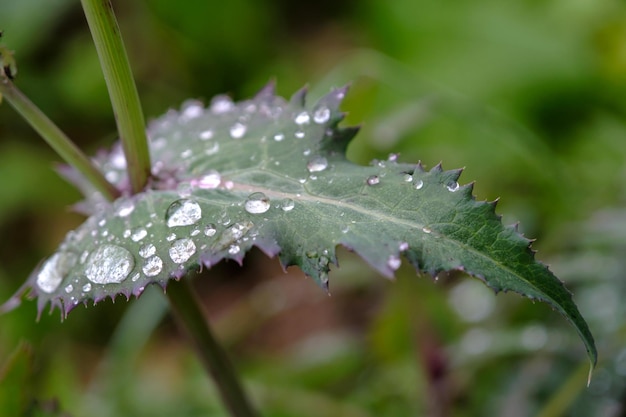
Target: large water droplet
x=373, y=180
x=209, y=181
x=317, y=164
x=287, y=204
x=181, y=250
x=183, y=213
x=54, y=270
x=125, y=208
x=238, y=130
x=109, y=264
x=257, y=203
x=302, y=118
x=152, y=266
x=147, y=250
x=321, y=115
x=234, y=233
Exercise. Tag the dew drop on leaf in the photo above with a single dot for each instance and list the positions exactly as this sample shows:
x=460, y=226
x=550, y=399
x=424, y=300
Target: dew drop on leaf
x=238, y=130
x=170, y=237
x=302, y=118
x=403, y=246
x=69, y=288
x=183, y=213
x=279, y=137
x=152, y=266
x=419, y=184
x=87, y=287
x=181, y=250
x=147, y=250
x=234, y=249
x=317, y=164
x=257, y=203
x=221, y=104
x=54, y=270
x=125, y=208
x=287, y=204
x=209, y=181
x=210, y=230
x=453, y=186
x=138, y=234
x=299, y=134
x=426, y=229
x=408, y=177
x=206, y=134
x=394, y=262
x=321, y=115
x=109, y=264
x=373, y=180
x=191, y=109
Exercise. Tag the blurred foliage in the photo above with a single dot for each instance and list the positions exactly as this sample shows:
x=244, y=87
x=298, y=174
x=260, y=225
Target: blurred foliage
x=529, y=95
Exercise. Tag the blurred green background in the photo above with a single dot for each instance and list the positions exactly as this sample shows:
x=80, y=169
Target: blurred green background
x=528, y=95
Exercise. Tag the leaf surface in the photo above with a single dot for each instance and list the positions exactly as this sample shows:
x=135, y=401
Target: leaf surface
x=273, y=174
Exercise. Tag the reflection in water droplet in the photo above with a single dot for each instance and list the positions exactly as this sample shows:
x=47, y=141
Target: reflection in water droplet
x=287, y=204
x=238, y=130
x=109, y=264
x=453, y=186
x=257, y=203
x=209, y=181
x=317, y=164
x=54, y=270
x=181, y=250
x=321, y=115
x=419, y=184
x=147, y=250
x=373, y=180
x=183, y=213
x=302, y=118
x=125, y=208
x=394, y=262
x=138, y=234
x=210, y=230
x=152, y=266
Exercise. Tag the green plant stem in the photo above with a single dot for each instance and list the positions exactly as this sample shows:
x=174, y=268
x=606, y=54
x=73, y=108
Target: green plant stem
x=188, y=312
x=122, y=89
x=56, y=138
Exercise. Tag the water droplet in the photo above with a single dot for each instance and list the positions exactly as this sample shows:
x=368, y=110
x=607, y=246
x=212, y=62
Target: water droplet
x=403, y=246
x=234, y=233
x=183, y=213
x=170, y=237
x=138, y=234
x=234, y=249
x=126, y=234
x=109, y=264
x=135, y=278
x=181, y=250
x=210, y=230
x=373, y=180
x=54, y=270
x=87, y=287
x=152, y=266
x=186, y=153
x=191, y=109
x=195, y=232
x=453, y=186
x=69, y=288
x=299, y=134
x=257, y=203
x=419, y=184
x=393, y=157
x=394, y=262
x=279, y=137
x=206, y=134
x=238, y=130
x=147, y=250
x=426, y=229
x=302, y=118
x=221, y=104
x=306, y=152
x=287, y=204
x=125, y=208
x=408, y=177
x=213, y=149
x=209, y=181
x=83, y=256
x=317, y=164
x=102, y=222
x=321, y=115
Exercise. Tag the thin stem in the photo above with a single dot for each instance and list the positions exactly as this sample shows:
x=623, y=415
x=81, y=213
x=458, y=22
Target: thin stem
x=122, y=89
x=189, y=314
x=56, y=138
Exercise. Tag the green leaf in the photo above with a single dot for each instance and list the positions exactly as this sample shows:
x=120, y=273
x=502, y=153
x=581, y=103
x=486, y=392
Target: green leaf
x=273, y=174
